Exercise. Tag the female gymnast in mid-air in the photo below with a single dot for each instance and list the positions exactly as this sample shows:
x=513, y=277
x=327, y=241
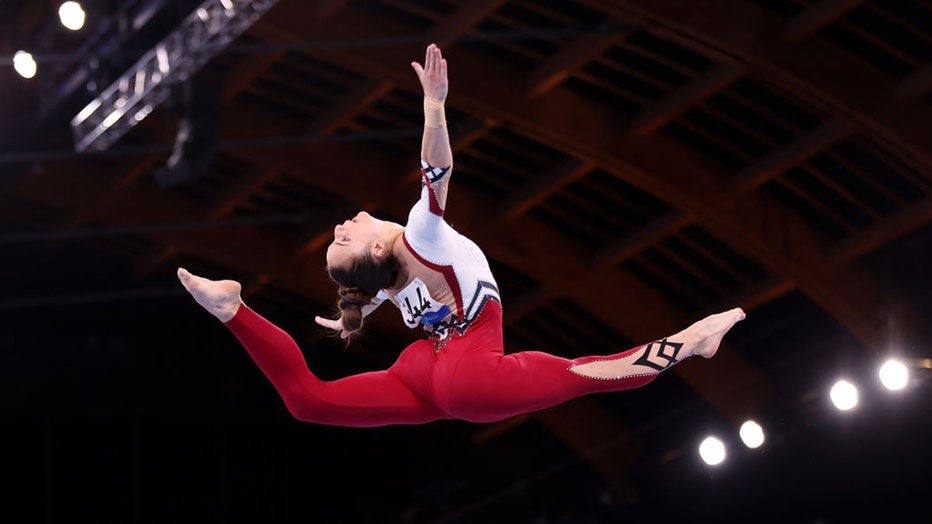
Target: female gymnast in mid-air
x=441, y=281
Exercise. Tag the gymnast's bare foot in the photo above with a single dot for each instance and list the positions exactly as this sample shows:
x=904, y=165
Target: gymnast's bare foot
x=221, y=298
x=703, y=337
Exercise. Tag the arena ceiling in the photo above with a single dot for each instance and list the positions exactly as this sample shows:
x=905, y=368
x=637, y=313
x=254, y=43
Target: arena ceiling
x=628, y=167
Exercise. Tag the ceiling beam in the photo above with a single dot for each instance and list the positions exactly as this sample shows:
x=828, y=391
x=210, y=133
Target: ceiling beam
x=914, y=86
x=465, y=18
x=327, y=8
x=246, y=70
x=528, y=302
x=570, y=59
x=792, y=154
x=630, y=246
x=883, y=231
x=348, y=106
x=544, y=186
x=816, y=16
x=678, y=102
x=756, y=295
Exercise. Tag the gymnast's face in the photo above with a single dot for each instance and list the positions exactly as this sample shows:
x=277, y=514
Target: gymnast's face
x=352, y=239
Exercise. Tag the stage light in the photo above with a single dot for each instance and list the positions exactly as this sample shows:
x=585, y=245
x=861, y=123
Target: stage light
x=712, y=451
x=894, y=375
x=752, y=434
x=844, y=395
x=71, y=15
x=24, y=64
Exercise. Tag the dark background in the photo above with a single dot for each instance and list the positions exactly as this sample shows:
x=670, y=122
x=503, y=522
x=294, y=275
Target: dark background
x=628, y=167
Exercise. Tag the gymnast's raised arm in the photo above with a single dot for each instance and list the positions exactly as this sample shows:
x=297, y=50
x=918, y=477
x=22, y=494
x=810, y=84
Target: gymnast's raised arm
x=435, y=146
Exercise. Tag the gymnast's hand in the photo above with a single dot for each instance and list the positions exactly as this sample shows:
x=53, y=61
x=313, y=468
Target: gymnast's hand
x=433, y=74
x=333, y=324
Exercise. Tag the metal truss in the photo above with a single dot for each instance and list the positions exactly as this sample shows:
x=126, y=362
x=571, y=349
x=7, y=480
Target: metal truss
x=145, y=85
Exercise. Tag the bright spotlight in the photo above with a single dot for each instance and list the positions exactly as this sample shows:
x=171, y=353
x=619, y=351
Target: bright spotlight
x=712, y=451
x=24, y=64
x=844, y=395
x=894, y=375
x=71, y=15
x=751, y=434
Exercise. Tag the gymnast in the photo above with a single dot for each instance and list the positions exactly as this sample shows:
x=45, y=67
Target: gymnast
x=440, y=281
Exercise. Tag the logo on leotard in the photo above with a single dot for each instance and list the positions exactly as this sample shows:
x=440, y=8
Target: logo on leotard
x=656, y=355
x=418, y=307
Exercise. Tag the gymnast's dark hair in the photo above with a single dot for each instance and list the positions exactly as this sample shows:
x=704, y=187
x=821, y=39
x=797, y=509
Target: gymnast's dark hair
x=359, y=284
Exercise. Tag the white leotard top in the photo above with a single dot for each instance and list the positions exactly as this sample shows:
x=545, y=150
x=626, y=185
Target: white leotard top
x=449, y=280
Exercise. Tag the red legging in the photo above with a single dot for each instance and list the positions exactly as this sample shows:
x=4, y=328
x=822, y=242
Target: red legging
x=469, y=379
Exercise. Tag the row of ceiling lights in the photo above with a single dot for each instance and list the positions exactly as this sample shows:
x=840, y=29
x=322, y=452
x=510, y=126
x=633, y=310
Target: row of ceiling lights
x=894, y=375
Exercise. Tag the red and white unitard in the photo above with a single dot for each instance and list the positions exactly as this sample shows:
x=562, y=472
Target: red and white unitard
x=460, y=370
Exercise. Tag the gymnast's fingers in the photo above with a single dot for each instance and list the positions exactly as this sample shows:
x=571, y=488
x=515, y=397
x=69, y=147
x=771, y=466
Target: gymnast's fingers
x=329, y=323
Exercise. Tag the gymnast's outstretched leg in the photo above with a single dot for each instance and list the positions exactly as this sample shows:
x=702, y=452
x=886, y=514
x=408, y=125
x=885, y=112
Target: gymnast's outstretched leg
x=488, y=386
x=364, y=400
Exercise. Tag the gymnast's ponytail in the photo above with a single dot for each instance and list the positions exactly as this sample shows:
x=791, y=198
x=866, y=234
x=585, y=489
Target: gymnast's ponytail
x=359, y=284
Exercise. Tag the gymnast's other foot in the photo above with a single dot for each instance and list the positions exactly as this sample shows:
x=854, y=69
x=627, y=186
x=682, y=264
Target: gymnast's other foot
x=703, y=337
x=221, y=298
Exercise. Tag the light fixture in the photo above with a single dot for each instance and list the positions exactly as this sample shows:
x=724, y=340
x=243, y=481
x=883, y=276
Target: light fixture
x=24, y=64
x=712, y=451
x=71, y=15
x=752, y=434
x=197, y=105
x=894, y=375
x=844, y=395
x=177, y=57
